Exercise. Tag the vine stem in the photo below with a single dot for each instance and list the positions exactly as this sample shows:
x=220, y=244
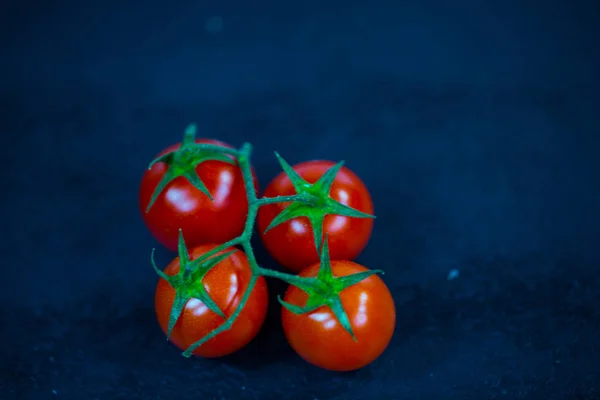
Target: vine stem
x=254, y=203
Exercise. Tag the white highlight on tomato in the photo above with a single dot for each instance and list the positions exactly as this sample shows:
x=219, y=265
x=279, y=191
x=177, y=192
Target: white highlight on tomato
x=178, y=197
x=197, y=307
x=343, y=196
x=298, y=226
x=361, y=316
x=338, y=223
x=224, y=187
x=233, y=288
x=327, y=318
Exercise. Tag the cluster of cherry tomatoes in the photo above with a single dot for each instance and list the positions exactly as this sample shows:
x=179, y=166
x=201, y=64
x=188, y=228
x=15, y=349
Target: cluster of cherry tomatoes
x=170, y=207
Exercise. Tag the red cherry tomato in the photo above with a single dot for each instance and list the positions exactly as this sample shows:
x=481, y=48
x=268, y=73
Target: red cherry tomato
x=320, y=339
x=292, y=243
x=226, y=283
x=181, y=205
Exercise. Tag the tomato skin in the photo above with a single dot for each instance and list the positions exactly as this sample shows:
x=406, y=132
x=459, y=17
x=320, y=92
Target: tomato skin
x=320, y=339
x=292, y=243
x=226, y=284
x=181, y=205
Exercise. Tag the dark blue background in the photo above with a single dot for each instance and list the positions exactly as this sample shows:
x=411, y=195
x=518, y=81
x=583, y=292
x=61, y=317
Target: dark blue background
x=474, y=123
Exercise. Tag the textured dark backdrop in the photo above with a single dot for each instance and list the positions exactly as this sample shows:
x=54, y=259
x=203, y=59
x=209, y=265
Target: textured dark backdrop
x=473, y=122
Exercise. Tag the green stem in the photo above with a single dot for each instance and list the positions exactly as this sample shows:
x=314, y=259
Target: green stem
x=215, y=147
x=281, y=199
x=221, y=247
x=287, y=278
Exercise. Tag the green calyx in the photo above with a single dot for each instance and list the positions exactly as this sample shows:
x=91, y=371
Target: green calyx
x=314, y=201
x=184, y=160
x=311, y=200
x=188, y=281
x=324, y=290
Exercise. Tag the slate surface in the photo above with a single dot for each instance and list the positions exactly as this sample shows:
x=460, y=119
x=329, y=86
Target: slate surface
x=474, y=124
